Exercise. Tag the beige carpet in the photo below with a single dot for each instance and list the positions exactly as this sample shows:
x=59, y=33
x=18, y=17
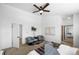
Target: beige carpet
x=23, y=50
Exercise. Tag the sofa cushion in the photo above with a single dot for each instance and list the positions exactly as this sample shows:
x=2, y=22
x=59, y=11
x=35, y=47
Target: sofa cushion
x=40, y=37
x=29, y=39
x=77, y=52
x=33, y=52
x=66, y=50
x=1, y=52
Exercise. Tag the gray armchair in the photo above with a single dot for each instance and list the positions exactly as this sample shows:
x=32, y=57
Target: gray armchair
x=40, y=37
x=29, y=40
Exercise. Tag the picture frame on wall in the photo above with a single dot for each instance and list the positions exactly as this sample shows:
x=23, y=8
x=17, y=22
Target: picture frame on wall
x=50, y=30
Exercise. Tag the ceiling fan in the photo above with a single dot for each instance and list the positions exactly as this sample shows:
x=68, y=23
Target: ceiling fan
x=41, y=9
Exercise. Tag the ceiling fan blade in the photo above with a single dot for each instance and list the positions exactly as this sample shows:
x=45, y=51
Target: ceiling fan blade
x=45, y=6
x=46, y=10
x=36, y=6
x=35, y=11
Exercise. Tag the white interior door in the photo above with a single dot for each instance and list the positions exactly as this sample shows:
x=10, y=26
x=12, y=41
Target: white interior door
x=16, y=35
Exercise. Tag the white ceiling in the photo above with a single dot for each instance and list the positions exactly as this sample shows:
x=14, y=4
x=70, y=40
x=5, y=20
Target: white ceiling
x=55, y=8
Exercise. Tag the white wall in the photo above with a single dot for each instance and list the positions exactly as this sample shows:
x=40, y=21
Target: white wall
x=53, y=21
x=67, y=20
x=9, y=15
x=76, y=30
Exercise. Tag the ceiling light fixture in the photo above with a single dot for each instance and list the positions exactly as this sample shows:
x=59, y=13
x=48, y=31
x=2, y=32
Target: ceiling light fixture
x=41, y=8
x=41, y=11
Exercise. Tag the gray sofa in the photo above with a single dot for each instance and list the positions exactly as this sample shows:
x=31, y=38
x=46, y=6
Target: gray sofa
x=33, y=40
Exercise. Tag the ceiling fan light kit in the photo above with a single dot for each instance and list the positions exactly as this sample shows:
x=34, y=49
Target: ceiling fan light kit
x=41, y=9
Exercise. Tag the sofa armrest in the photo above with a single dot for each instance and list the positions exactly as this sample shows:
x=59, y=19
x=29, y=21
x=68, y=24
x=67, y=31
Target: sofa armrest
x=1, y=52
x=77, y=53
